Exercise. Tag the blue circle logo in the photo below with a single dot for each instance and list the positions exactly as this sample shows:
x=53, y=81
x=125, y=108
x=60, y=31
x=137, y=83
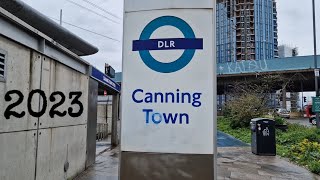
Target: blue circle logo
x=189, y=44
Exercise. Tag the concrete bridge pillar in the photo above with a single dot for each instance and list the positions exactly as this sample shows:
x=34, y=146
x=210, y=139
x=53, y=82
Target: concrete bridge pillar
x=284, y=97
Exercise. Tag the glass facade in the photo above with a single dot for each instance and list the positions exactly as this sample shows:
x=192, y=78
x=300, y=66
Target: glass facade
x=226, y=35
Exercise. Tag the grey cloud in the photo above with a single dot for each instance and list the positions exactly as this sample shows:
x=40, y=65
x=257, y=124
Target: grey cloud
x=110, y=51
x=295, y=24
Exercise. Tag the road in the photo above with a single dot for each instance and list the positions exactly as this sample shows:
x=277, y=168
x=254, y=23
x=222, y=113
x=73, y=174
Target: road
x=301, y=121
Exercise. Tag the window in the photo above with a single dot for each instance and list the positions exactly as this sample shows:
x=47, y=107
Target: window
x=2, y=65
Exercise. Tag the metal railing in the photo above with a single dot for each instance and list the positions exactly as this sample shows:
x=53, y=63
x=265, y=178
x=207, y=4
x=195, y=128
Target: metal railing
x=102, y=131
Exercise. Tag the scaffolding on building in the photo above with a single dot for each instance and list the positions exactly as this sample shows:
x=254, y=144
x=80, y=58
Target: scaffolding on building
x=251, y=30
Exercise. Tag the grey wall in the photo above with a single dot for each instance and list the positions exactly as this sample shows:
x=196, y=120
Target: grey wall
x=38, y=148
x=92, y=122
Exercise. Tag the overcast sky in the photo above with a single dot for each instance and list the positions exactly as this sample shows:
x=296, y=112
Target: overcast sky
x=110, y=51
x=294, y=19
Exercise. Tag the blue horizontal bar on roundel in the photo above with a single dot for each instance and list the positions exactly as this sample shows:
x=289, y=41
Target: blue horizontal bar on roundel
x=167, y=44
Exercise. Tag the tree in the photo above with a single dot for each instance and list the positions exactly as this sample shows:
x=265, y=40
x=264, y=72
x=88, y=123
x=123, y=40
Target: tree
x=249, y=99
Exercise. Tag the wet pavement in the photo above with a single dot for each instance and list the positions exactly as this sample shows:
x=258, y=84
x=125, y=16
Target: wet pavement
x=105, y=168
x=103, y=146
x=235, y=161
x=240, y=163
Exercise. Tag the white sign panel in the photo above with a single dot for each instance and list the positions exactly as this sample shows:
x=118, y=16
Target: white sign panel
x=316, y=72
x=168, y=91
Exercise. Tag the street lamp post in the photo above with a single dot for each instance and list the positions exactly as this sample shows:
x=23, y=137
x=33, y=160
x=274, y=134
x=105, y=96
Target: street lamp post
x=264, y=49
x=315, y=57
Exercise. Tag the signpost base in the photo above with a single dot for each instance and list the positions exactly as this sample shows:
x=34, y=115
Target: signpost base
x=157, y=166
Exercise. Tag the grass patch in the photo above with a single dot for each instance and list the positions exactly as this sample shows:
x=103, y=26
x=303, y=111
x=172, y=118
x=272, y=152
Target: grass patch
x=300, y=144
x=243, y=134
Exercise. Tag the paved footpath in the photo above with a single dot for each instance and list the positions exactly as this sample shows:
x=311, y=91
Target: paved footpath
x=235, y=161
x=240, y=163
x=105, y=168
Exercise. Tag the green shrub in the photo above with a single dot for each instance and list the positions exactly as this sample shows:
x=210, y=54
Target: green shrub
x=245, y=107
x=279, y=120
x=243, y=134
x=313, y=137
x=314, y=167
x=295, y=134
x=283, y=151
x=226, y=111
x=307, y=153
x=299, y=143
x=305, y=150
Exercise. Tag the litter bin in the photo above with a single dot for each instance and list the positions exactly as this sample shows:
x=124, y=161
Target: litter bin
x=263, y=137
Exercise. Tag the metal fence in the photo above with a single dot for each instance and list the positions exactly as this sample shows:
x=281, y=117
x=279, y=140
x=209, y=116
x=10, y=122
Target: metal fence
x=102, y=131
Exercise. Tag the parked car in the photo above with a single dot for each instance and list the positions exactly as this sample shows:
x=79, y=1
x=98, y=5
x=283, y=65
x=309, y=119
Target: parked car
x=310, y=114
x=313, y=120
x=283, y=113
